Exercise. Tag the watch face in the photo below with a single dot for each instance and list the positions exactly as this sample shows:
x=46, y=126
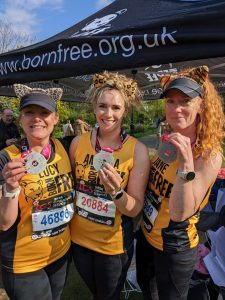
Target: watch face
x=190, y=176
x=119, y=195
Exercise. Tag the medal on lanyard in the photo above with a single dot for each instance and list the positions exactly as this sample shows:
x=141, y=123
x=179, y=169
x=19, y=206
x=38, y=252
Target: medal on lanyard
x=167, y=152
x=35, y=162
x=102, y=157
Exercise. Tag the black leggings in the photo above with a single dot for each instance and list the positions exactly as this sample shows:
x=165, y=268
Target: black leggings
x=103, y=274
x=44, y=284
x=172, y=270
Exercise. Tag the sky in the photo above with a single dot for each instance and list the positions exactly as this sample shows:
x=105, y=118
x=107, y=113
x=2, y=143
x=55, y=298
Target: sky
x=41, y=19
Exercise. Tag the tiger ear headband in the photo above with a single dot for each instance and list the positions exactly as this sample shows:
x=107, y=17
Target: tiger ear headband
x=22, y=90
x=100, y=80
x=198, y=74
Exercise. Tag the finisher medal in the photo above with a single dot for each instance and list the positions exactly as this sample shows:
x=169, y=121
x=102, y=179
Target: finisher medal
x=35, y=163
x=104, y=156
x=167, y=152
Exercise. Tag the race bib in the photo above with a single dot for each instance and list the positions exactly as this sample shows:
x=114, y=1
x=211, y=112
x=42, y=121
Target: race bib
x=150, y=210
x=52, y=218
x=96, y=209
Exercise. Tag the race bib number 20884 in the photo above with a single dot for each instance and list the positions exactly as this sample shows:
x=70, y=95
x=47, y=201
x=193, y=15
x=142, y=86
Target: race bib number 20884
x=95, y=209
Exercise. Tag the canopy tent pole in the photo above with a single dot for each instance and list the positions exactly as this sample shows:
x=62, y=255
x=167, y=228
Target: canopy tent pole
x=132, y=126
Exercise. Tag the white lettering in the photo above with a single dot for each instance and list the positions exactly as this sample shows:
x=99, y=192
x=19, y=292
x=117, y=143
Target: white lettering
x=105, y=43
x=121, y=45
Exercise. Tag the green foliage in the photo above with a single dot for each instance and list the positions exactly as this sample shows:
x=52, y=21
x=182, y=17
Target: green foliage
x=11, y=103
x=143, y=118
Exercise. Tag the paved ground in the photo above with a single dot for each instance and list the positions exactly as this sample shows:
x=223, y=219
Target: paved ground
x=151, y=141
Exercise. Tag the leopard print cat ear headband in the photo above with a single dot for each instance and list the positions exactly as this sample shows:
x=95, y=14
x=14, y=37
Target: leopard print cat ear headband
x=189, y=82
x=37, y=96
x=198, y=74
x=21, y=90
x=100, y=80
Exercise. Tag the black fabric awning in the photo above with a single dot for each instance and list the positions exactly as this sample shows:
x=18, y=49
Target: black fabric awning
x=151, y=36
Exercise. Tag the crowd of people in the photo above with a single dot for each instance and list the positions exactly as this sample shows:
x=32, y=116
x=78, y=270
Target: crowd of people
x=60, y=201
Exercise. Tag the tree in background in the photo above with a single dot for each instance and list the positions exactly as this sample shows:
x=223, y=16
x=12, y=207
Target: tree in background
x=11, y=39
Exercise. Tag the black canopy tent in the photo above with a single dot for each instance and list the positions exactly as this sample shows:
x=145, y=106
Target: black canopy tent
x=142, y=35
x=74, y=88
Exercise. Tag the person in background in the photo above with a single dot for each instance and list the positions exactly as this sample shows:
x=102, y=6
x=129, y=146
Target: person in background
x=158, y=121
x=178, y=190
x=9, y=132
x=36, y=202
x=107, y=198
x=68, y=129
x=81, y=127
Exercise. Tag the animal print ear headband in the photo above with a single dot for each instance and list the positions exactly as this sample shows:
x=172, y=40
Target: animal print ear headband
x=21, y=90
x=198, y=74
x=100, y=80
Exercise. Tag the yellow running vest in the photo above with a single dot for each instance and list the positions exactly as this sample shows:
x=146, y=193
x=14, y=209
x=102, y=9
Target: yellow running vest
x=159, y=230
x=97, y=224
x=41, y=233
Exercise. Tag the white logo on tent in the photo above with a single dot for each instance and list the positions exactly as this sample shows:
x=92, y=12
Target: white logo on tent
x=98, y=25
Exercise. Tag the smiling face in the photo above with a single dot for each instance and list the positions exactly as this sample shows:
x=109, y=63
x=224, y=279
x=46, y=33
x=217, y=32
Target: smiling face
x=181, y=110
x=38, y=122
x=110, y=110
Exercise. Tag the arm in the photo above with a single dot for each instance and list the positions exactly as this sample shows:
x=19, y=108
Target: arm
x=12, y=172
x=131, y=203
x=186, y=196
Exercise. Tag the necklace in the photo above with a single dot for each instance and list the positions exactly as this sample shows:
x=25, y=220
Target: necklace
x=122, y=138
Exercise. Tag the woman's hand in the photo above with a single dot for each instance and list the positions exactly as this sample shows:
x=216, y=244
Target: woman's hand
x=184, y=150
x=110, y=179
x=12, y=172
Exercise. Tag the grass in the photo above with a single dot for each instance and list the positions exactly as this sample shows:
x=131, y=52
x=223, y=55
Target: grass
x=75, y=288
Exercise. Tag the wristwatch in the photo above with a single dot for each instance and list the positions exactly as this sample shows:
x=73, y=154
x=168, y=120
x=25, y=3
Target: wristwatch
x=118, y=194
x=188, y=176
x=10, y=194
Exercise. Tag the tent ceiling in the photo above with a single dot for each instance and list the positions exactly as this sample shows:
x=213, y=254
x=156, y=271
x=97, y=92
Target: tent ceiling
x=151, y=36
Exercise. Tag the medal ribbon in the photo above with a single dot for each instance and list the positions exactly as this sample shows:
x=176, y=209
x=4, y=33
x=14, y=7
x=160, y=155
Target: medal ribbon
x=122, y=138
x=46, y=151
x=165, y=138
